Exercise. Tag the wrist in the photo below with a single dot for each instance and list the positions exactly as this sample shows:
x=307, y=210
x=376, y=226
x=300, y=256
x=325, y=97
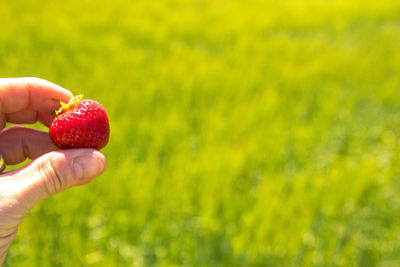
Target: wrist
x=5, y=242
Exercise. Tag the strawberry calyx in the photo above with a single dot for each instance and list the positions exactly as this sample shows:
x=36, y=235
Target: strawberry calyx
x=65, y=107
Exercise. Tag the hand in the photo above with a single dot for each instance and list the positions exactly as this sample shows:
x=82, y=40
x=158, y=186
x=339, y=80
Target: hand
x=27, y=100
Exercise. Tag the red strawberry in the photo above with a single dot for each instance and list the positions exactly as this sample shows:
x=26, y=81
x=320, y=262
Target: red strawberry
x=80, y=123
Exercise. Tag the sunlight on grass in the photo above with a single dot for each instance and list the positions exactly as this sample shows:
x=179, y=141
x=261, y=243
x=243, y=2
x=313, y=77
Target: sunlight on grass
x=243, y=133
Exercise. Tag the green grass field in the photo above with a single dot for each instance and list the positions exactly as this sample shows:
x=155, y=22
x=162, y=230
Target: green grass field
x=243, y=133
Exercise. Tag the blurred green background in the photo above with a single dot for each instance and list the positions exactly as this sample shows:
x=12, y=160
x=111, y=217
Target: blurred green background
x=243, y=133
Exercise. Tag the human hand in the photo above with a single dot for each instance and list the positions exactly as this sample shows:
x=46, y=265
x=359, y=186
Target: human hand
x=26, y=101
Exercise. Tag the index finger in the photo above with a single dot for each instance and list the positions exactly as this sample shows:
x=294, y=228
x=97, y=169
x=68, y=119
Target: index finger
x=27, y=100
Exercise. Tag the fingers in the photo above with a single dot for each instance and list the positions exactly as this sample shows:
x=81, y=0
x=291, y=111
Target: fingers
x=26, y=100
x=18, y=143
x=58, y=171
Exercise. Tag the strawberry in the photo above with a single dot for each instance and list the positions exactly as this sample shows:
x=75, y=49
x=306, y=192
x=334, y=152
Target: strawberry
x=80, y=123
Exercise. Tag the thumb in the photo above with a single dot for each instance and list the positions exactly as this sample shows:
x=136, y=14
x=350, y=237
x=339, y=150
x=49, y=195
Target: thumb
x=57, y=171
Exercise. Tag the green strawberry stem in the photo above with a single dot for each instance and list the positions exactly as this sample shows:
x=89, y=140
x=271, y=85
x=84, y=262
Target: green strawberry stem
x=70, y=105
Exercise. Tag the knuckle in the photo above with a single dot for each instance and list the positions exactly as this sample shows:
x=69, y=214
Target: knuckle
x=52, y=180
x=32, y=82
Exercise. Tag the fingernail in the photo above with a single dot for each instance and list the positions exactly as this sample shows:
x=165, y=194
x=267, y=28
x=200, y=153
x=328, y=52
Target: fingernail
x=89, y=165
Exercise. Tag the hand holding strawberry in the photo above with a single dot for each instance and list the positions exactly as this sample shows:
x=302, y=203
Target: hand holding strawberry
x=28, y=100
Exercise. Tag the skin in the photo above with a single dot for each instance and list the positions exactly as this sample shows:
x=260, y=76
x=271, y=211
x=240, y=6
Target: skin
x=27, y=101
